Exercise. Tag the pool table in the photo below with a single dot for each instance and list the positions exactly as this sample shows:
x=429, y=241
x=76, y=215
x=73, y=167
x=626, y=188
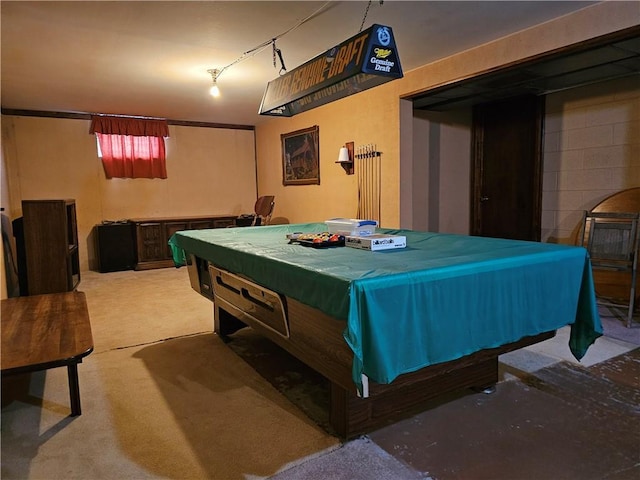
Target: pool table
x=393, y=328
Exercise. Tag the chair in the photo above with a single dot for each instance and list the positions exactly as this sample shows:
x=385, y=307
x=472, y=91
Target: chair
x=263, y=209
x=612, y=242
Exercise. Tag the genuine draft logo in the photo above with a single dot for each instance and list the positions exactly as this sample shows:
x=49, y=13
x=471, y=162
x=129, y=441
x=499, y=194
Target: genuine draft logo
x=380, y=61
x=382, y=52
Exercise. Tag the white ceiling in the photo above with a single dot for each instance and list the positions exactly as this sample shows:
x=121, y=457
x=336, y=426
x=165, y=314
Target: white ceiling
x=151, y=58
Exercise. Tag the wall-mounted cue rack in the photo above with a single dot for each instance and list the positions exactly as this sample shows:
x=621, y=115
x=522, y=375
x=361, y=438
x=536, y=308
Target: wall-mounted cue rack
x=369, y=175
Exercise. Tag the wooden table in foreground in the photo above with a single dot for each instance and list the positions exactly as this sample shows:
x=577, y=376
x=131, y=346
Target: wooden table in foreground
x=47, y=331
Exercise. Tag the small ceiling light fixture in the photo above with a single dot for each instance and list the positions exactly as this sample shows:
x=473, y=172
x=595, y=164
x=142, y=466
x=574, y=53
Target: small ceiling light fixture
x=215, y=73
x=214, y=90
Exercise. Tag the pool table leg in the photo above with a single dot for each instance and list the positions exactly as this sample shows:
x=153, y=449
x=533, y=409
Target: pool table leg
x=224, y=323
x=350, y=415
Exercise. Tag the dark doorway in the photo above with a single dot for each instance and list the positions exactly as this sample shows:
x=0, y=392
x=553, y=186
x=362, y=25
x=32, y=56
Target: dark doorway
x=507, y=168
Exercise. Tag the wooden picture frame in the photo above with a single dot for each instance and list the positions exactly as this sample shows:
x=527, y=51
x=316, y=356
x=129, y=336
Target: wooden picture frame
x=301, y=157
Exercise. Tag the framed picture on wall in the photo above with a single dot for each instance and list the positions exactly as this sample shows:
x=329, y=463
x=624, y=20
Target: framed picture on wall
x=301, y=157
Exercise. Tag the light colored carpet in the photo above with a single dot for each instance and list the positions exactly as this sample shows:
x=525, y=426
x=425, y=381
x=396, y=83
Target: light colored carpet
x=162, y=397
x=134, y=308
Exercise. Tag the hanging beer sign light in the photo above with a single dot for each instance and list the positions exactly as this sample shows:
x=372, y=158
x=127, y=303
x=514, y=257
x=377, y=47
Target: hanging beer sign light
x=366, y=60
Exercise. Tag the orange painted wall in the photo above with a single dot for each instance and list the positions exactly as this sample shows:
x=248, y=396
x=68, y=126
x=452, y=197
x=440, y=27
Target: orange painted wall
x=380, y=116
x=210, y=171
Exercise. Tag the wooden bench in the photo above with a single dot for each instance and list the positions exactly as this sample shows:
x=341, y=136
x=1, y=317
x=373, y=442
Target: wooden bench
x=47, y=331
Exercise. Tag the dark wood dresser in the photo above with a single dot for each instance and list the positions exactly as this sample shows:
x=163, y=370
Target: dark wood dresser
x=152, y=236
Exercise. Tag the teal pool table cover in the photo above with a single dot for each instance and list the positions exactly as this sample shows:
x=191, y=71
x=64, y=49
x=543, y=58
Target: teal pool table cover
x=442, y=297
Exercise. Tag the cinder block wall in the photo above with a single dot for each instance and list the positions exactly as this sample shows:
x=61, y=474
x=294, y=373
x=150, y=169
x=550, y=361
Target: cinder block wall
x=591, y=151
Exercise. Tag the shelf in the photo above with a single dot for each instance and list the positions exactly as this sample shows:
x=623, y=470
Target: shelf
x=51, y=246
x=349, y=166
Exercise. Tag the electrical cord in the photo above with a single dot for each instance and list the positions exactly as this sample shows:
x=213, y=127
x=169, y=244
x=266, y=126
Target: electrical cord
x=259, y=48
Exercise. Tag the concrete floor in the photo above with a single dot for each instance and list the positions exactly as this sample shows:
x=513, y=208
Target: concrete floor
x=550, y=417
x=559, y=423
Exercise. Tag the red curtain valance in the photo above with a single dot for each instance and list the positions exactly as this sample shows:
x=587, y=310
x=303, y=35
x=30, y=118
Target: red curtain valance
x=139, y=127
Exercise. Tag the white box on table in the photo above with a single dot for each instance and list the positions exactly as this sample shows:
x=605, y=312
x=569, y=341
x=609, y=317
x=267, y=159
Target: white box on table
x=378, y=241
x=351, y=226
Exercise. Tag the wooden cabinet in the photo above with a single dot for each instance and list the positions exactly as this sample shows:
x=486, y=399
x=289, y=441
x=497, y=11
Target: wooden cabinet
x=149, y=236
x=152, y=236
x=51, y=246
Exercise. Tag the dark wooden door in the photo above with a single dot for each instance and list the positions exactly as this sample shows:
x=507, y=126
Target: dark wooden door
x=507, y=168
